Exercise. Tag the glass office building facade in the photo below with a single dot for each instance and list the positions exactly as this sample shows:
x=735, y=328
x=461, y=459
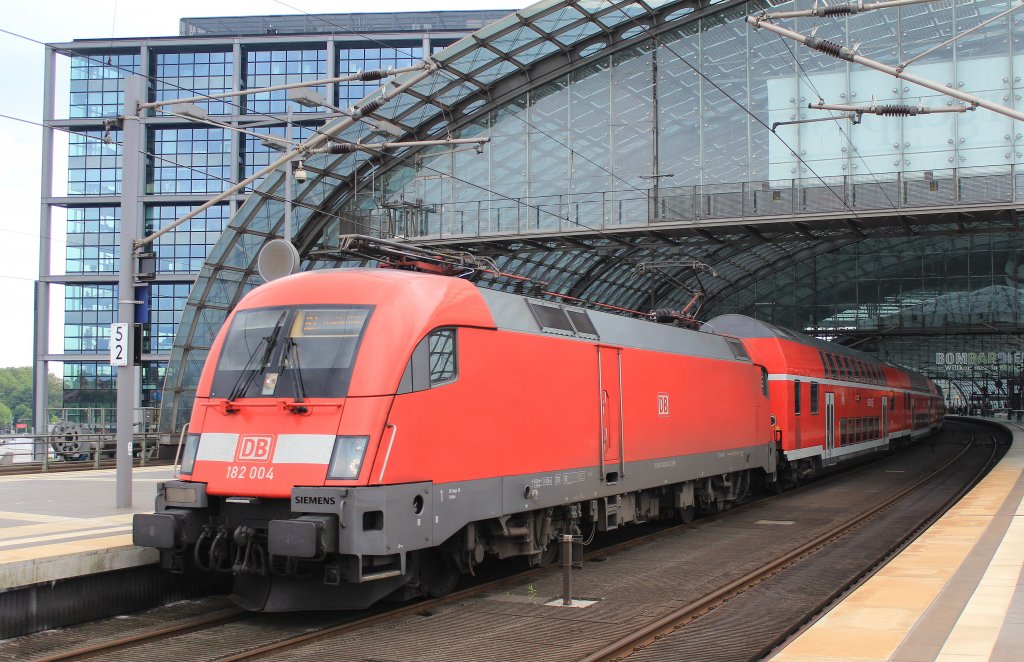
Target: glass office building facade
x=186, y=163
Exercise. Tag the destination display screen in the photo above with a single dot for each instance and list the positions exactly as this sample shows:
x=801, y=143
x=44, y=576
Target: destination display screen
x=329, y=322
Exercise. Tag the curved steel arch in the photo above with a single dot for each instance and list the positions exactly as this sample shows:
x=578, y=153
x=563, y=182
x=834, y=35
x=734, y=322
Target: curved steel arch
x=476, y=74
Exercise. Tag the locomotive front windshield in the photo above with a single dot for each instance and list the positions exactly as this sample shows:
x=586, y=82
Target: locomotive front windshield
x=288, y=352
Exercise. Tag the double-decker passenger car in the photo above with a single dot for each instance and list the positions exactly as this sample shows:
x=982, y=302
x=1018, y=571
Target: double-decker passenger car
x=833, y=403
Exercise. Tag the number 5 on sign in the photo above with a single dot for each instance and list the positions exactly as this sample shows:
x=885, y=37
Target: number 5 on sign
x=119, y=344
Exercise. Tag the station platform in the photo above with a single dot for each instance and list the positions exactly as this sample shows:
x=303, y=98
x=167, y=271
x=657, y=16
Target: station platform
x=955, y=594
x=62, y=525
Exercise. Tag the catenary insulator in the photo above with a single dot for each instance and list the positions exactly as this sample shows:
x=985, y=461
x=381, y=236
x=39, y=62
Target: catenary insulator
x=837, y=10
x=369, y=107
x=896, y=110
x=829, y=48
x=373, y=74
x=341, y=148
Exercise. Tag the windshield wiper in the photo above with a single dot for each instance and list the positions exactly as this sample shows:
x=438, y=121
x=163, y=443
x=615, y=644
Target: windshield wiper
x=248, y=375
x=291, y=355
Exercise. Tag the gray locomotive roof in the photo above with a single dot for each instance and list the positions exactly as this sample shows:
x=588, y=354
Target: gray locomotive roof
x=513, y=312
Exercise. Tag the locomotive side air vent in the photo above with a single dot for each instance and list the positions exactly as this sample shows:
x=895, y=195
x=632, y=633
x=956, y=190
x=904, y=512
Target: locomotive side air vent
x=581, y=321
x=563, y=321
x=552, y=318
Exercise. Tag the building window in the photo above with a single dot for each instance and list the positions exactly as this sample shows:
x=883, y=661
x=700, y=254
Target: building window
x=180, y=75
x=259, y=155
x=92, y=240
x=153, y=373
x=166, y=302
x=352, y=60
x=89, y=310
x=90, y=394
x=267, y=68
x=185, y=248
x=97, y=83
x=796, y=397
x=814, y=398
x=94, y=163
x=190, y=161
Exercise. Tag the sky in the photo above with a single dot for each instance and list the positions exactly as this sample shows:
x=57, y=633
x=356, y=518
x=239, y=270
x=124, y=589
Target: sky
x=21, y=96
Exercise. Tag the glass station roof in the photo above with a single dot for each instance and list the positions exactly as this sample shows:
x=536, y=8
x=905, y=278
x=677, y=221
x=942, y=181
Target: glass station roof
x=630, y=140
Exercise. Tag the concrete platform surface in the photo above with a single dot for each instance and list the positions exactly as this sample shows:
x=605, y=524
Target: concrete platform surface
x=61, y=525
x=956, y=594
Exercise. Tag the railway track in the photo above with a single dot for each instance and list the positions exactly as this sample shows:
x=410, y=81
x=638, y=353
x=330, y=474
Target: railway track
x=217, y=632
x=348, y=622
x=673, y=622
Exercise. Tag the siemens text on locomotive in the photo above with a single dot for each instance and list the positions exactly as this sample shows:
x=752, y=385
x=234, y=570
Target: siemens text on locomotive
x=367, y=433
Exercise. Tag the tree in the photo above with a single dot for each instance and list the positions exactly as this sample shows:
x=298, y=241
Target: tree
x=23, y=414
x=5, y=418
x=16, y=393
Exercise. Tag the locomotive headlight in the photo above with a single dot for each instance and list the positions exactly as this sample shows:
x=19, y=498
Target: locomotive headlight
x=188, y=456
x=347, y=458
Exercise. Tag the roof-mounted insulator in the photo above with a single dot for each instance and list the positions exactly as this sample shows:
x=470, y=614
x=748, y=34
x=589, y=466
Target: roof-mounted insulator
x=342, y=148
x=829, y=48
x=374, y=74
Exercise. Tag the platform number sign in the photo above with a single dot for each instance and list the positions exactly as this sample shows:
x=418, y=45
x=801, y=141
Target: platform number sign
x=119, y=344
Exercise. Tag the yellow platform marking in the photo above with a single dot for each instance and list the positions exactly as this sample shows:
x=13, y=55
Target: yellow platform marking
x=65, y=548
x=874, y=620
x=64, y=534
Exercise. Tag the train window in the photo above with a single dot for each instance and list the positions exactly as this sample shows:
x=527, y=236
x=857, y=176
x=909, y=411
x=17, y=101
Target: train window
x=844, y=372
x=290, y=352
x=814, y=398
x=434, y=362
x=443, y=367
x=824, y=363
x=842, y=431
x=858, y=429
x=834, y=371
x=892, y=404
x=796, y=397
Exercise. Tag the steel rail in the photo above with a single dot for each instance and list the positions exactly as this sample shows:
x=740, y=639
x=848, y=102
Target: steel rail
x=183, y=626
x=668, y=624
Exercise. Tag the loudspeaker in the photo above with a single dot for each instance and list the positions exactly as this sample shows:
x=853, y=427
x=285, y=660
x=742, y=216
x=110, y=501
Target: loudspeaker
x=277, y=258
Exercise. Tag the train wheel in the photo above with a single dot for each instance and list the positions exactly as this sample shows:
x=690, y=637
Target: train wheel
x=686, y=514
x=438, y=574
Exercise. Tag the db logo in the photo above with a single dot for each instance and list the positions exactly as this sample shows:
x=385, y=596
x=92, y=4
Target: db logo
x=257, y=448
x=663, y=404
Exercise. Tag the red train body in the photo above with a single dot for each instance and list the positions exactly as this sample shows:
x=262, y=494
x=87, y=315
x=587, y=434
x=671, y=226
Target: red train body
x=367, y=433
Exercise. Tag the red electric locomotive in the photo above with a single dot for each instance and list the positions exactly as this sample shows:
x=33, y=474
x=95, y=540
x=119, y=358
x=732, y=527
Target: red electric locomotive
x=367, y=433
